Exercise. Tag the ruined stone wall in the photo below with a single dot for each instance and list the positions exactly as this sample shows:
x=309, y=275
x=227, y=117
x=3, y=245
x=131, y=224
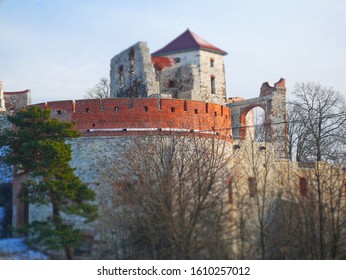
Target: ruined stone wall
x=17, y=99
x=279, y=121
x=209, y=66
x=132, y=73
x=180, y=82
x=273, y=101
x=277, y=190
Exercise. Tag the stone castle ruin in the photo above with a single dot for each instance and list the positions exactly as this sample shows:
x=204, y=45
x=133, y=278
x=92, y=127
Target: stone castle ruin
x=187, y=68
x=180, y=88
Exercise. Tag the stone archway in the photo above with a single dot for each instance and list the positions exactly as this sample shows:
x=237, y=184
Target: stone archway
x=273, y=101
x=248, y=123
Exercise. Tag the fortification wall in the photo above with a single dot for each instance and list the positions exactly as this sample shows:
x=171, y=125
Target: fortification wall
x=108, y=128
x=139, y=115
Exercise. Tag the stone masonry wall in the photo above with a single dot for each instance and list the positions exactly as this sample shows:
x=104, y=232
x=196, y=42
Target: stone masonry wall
x=95, y=160
x=209, y=65
x=16, y=100
x=212, y=66
x=132, y=73
x=180, y=81
x=273, y=101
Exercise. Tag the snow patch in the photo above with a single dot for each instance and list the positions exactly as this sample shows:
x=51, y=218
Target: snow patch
x=3, y=151
x=2, y=216
x=5, y=173
x=16, y=249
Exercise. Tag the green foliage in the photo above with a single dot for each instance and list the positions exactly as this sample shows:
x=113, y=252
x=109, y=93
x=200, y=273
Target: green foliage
x=37, y=146
x=31, y=142
x=45, y=233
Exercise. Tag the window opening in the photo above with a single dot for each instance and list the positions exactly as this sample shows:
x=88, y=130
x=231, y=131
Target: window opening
x=230, y=189
x=170, y=83
x=212, y=84
x=303, y=186
x=212, y=62
x=121, y=75
x=252, y=186
x=132, y=62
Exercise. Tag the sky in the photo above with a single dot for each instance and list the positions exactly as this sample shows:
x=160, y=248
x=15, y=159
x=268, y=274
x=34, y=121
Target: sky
x=60, y=49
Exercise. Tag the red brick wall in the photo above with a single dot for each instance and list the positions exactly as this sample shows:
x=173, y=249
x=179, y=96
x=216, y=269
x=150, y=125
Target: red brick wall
x=93, y=115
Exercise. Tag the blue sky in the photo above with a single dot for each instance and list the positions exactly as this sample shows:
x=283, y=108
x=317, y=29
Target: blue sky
x=59, y=49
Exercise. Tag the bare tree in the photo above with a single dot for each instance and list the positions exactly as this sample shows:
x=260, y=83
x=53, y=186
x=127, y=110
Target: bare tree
x=100, y=90
x=174, y=197
x=255, y=179
x=317, y=131
x=318, y=117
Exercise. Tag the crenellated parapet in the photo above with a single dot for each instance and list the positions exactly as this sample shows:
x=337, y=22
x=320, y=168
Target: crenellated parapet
x=118, y=116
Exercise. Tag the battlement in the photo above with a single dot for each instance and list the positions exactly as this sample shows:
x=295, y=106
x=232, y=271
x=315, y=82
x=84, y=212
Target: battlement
x=128, y=115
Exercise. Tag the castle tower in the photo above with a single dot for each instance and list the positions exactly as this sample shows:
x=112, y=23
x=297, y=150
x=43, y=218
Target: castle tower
x=189, y=49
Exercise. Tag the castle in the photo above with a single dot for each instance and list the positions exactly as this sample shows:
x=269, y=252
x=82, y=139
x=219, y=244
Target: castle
x=180, y=88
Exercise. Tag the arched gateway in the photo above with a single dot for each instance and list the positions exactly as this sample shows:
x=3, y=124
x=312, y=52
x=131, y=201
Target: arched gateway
x=273, y=101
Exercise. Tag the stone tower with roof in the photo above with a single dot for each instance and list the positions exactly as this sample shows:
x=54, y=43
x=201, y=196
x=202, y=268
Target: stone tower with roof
x=189, y=67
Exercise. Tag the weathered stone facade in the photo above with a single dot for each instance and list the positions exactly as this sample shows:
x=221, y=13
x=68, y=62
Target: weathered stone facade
x=17, y=99
x=191, y=72
x=206, y=81
x=132, y=73
x=273, y=101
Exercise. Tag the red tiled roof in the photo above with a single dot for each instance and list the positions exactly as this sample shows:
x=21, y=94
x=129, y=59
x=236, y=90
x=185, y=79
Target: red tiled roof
x=188, y=41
